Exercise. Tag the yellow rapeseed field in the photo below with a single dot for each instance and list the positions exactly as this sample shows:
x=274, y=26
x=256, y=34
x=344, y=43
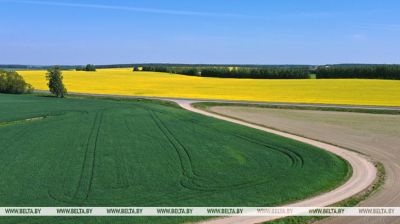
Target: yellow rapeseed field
x=126, y=82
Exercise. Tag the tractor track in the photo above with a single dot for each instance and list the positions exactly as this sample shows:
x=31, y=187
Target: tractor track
x=363, y=175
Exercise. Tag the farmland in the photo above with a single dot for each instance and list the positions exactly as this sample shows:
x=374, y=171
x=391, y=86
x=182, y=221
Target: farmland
x=326, y=91
x=376, y=135
x=97, y=152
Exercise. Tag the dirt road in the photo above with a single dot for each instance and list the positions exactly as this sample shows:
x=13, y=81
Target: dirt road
x=373, y=134
x=364, y=171
x=340, y=106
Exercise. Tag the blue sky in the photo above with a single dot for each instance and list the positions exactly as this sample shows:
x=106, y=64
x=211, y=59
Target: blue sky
x=199, y=31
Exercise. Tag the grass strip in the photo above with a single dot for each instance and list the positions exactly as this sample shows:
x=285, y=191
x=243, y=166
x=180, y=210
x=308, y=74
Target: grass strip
x=204, y=105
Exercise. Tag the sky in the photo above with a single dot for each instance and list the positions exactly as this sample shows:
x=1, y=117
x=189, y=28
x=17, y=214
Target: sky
x=71, y=32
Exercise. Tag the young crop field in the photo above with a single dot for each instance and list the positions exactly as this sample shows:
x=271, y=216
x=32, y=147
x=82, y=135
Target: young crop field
x=327, y=91
x=97, y=152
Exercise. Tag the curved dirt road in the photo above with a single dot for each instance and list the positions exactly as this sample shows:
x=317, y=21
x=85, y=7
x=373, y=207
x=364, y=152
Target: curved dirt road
x=376, y=135
x=364, y=171
x=363, y=176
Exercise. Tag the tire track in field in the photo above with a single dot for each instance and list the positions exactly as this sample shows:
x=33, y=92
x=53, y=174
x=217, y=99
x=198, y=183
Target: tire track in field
x=88, y=166
x=184, y=158
x=57, y=184
x=122, y=168
x=191, y=178
x=248, y=139
x=363, y=175
x=165, y=198
x=16, y=138
x=296, y=159
x=195, y=182
x=28, y=125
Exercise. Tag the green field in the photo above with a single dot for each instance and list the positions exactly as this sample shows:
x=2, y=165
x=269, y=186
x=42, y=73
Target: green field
x=98, y=152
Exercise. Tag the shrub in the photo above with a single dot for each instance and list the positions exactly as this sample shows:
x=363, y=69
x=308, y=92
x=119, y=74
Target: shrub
x=12, y=82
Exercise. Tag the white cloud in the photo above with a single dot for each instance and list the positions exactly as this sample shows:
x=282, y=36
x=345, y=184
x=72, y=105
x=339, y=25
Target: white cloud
x=127, y=8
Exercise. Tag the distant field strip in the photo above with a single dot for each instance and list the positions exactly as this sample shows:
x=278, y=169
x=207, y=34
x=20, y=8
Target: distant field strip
x=135, y=153
x=326, y=91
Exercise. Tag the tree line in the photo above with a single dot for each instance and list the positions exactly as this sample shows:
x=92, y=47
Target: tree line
x=301, y=72
x=364, y=72
x=87, y=68
x=235, y=72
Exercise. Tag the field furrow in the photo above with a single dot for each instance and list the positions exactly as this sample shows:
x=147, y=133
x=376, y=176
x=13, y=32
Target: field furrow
x=143, y=153
x=88, y=167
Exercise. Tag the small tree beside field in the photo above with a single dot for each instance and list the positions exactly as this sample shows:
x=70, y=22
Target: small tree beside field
x=55, y=78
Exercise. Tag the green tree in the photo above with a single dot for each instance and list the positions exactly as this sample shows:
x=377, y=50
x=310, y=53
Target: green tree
x=55, y=78
x=90, y=68
x=79, y=68
x=12, y=82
